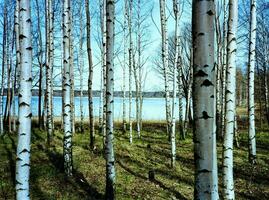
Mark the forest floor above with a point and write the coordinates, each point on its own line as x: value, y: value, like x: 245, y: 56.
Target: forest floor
x: 133, y: 163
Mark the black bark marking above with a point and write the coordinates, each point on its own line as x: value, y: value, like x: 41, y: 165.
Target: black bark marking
x: 210, y: 12
x: 204, y: 171
x: 206, y: 83
x: 24, y: 151
x: 29, y: 116
x: 201, y: 73
x: 205, y: 115
x: 23, y: 104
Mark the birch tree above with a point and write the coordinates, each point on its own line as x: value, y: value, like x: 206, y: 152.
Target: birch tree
x: 228, y: 183
x: 251, y: 69
x: 165, y: 62
x: 25, y: 114
x: 40, y: 63
x: 89, y: 51
x: 3, y: 68
x: 130, y: 6
x: 49, y: 65
x: 81, y: 67
x: 205, y: 155
x: 125, y: 41
x: 109, y: 150
x: 176, y: 64
x: 67, y: 148
x: 224, y: 68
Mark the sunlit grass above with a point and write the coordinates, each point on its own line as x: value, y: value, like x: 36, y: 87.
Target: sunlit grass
x: 134, y: 161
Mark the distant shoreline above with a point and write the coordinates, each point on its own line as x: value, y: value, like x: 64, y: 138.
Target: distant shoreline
x: 96, y: 93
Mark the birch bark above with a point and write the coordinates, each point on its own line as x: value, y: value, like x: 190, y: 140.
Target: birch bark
x: 109, y: 150
x: 251, y: 69
x: 204, y: 101
x: 25, y: 114
x: 228, y: 183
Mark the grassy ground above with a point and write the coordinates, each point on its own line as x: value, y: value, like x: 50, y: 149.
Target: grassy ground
x: 151, y: 152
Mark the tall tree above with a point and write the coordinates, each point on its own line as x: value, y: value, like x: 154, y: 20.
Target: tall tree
x: 224, y: 69
x: 40, y: 63
x: 125, y: 40
x: 67, y: 148
x: 165, y: 63
x: 205, y: 155
x: 109, y: 150
x: 49, y: 66
x: 176, y: 64
x: 25, y: 114
x: 228, y: 183
x: 89, y: 50
x: 81, y: 67
x: 130, y: 14
x: 3, y: 67
x: 251, y: 69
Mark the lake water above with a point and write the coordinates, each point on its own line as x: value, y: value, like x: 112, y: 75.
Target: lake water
x: 153, y: 108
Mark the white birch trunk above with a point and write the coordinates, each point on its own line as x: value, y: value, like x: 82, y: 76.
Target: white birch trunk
x: 125, y: 39
x: 81, y: 66
x: 176, y: 64
x: 104, y: 33
x: 67, y: 148
x: 109, y: 150
x: 49, y: 63
x: 228, y: 183
x: 25, y: 114
x: 165, y: 63
x: 224, y: 69
x: 130, y: 70
x: 251, y: 69
x: 90, y: 97
x: 204, y: 101
x: 3, y: 69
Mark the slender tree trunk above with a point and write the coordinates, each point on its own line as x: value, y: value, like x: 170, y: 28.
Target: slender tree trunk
x: 236, y: 133
x: 25, y: 114
x: 188, y: 98
x: 3, y: 69
x: 18, y: 63
x: 81, y: 67
x: 73, y: 116
x: 40, y: 62
x: 204, y: 101
x: 224, y: 69
x: 14, y: 83
x: 251, y: 69
x: 89, y: 50
x: 228, y: 183
x: 101, y: 101
x: 218, y: 71
x: 165, y: 63
x: 176, y: 64
x: 125, y: 39
x: 265, y: 82
x: 130, y: 69
x: 104, y: 33
x: 109, y: 151
x: 9, y: 69
x: 49, y: 65
x: 67, y: 148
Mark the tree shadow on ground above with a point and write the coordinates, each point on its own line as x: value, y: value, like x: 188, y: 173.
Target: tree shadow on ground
x: 77, y: 181
x: 140, y: 165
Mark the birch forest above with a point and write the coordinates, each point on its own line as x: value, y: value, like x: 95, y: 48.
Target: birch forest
x: 134, y: 99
